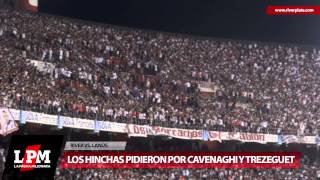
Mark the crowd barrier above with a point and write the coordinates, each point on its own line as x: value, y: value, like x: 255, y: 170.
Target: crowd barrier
x: 134, y: 130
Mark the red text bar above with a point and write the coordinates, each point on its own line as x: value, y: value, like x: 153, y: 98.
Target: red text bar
x: 179, y: 160
x: 293, y: 10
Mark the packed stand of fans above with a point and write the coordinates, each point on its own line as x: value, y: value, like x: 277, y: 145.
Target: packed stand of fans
x: 132, y: 76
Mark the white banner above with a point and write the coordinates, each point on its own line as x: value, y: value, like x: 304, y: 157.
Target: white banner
x: 144, y: 130
x: 138, y: 130
x: 191, y: 134
x: 112, y: 126
x: 207, y: 87
x: 308, y: 140
x: 7, y: 123
x: 43, y: 66
x: 39, y: 118
x: 249, y: 137
x: 288, y: 139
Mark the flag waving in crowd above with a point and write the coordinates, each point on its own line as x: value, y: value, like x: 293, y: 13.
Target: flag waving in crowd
x: 7, y: 123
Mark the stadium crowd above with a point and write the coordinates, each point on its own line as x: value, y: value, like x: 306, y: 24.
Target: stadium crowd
x: 80, y: 69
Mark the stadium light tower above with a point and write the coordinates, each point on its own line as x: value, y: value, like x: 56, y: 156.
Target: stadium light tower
x: 28, y: 5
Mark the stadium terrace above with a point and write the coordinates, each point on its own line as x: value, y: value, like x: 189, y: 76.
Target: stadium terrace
x: 133, y: 76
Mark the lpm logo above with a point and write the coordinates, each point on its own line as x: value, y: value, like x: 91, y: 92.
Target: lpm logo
x: 33, y: 157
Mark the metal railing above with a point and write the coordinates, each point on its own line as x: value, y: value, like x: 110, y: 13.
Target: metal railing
x: 47, y: 109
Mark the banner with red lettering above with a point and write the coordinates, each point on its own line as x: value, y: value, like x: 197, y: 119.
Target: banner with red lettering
x: 190, y: 134
x: 138, y: 130
x: 248, y: 137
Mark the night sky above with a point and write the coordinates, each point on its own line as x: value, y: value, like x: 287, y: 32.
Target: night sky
x: 232, y: 19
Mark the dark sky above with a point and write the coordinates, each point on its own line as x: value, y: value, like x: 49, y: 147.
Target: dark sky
x: 233, y: 19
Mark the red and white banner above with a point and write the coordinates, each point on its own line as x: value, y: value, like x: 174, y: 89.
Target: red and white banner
x: 248, y: 137
x: 138, y: 130
x: 191, y: 134
x: 145, y: 130
x: 180, y: 160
